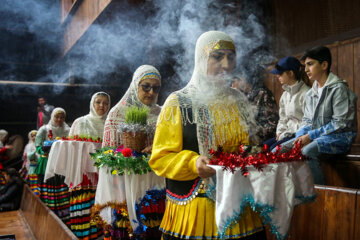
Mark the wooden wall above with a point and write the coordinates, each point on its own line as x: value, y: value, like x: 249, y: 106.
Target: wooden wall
x: 77, y: 18
x: 346, y: 64
x: 334, y: 215
x: 300, y: 24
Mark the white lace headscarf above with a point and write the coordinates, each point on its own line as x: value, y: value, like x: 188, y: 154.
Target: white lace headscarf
x: 92, y: 124
x: 130, y: 98
x: 57, y: 131
x: 30, y: 147
x: 202, y: 94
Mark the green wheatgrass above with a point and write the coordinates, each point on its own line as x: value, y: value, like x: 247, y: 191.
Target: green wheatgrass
x: 136, y: 115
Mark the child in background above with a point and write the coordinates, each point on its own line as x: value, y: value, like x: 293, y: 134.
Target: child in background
x: 329, y: 124
x: 292, y: 101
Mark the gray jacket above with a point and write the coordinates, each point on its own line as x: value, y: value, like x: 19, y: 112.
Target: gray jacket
x: 330, y: 118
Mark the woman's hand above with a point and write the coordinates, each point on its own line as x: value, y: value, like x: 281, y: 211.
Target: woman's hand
x: 147, y: 149
x: 203, y: 170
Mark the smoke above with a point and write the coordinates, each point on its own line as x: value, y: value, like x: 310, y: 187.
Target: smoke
x: 158, y: 32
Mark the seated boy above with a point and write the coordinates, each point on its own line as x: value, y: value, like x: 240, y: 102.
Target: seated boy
x: 329, y: 124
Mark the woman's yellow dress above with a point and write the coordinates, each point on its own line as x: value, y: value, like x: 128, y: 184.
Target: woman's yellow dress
x: 195, y: 217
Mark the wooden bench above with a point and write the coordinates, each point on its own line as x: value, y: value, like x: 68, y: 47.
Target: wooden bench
x: 34, y: 220
x: 342, y: 170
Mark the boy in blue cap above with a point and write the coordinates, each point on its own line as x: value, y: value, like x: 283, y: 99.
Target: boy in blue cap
x: 329, y: 124
x: 292, y: 102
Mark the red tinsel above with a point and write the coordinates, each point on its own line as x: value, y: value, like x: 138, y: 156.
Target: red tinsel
x: 242, y: 160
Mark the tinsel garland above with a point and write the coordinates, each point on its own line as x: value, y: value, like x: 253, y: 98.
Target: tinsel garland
x: 246, y: 157
x: 121, y: 160
x: 152, y: 202
x: 120, y: 210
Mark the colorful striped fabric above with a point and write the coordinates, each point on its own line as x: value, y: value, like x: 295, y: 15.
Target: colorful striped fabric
x: 82, y: 198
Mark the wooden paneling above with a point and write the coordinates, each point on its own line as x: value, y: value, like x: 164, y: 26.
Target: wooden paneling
x: 81, y: 20
x: 357, y: 81
x: 346, y: 63
x: 341, y: 172
x: 334, y: 215
x: 334, y: 54
x: 307, y: 218
x: 42, y: 221
x: 339, y: 214
x: 322, y: 21
x: 66, y: 6
x: 357, y: 217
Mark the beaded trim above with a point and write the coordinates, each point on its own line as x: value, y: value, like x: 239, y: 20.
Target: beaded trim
x: 186, y: 199
x: 219, y: 45
x: 150, y: 75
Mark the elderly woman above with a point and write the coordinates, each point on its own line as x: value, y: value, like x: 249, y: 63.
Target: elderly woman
x: 114, y: 190
x: 54, y: 193
x: 82, y: 197
x: 207, y: 113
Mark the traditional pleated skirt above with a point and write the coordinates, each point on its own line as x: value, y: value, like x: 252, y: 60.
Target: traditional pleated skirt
x: 55, y: 194
x: 196, y: 220
x: 82, y: 198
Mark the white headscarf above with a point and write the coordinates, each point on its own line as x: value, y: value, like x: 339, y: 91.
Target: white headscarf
x: 92, y: 124
x: 3, y: 133
x: 58, y: 131
x: 29, y: 148
x: 201, y: 94
x: 130, y: 98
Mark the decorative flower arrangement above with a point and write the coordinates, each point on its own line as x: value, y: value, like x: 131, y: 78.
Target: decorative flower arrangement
x: 121, y: 160
x: 84, y: 138
x: 259, y: 159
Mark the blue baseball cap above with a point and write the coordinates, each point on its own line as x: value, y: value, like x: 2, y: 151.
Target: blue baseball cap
x: 286, y: 64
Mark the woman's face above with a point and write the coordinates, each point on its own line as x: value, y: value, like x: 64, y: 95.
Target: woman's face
x: 148, y: 90
x: 101, y: 105
x: 221, y: 62
x: 59, y: 119
x: 33, y: 136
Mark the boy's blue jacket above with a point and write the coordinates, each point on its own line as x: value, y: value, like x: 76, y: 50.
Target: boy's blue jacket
x: 330, y: 119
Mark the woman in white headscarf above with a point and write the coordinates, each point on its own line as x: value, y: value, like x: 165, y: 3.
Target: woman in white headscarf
x: 111, y: 189
x: 54, y: 192
x: 82, y: 197
x: 29, y: 156
x: 202, y: 116
x: 92, y: 124
x: 143, y: 91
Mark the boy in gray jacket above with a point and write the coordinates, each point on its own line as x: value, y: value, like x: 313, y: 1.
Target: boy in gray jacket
x: 329, y: 124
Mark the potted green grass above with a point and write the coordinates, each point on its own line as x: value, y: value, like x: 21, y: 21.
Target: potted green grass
x: 134, y: 131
